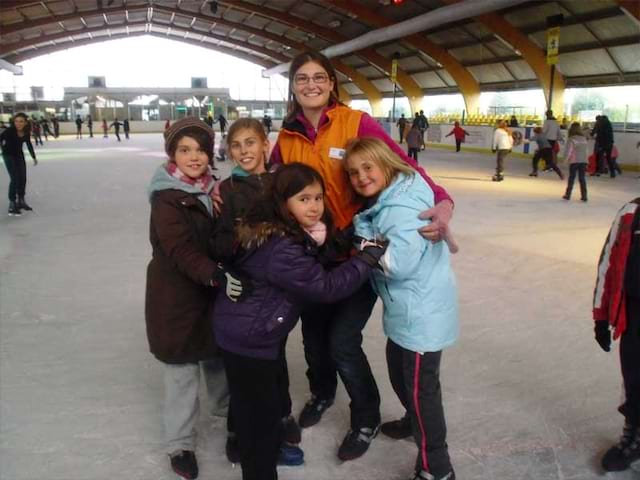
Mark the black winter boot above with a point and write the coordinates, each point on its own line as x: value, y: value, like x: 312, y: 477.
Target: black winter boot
x: 185, y: 464
x: 14, y: 211
x: 422, y: 475
x: 627, y: 451
x: 22, y: 205
x: 356, y: 443
x: 397, y: 429
x: 313, y: 410
x: 291, y: 430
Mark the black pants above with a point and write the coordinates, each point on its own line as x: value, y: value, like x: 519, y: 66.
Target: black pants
x: 416, y: 380
x: 17, y: 169
x: 401, y: 133
x: 38, y: 139
x: 255, y: 406
x: 117, y: 132
x: 332, y: 336
x: 545, y: 154
x: 458, y: 143
x: 283, y: 389
x: 126, y: 134
x: 604, y: 153
x: 580, y: 169
x: 78, y: 132
x: 90, y: 127
x: 630, y: 362
x: 413, y: 153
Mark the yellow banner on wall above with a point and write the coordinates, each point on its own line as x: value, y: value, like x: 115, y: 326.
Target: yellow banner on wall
x: 553, y: 45
x: 394, y: 70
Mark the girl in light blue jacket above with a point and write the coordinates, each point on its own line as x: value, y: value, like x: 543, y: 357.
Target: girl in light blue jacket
x: 418, y: 288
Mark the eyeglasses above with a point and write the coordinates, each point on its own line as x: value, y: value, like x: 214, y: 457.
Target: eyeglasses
x: 317, y: 78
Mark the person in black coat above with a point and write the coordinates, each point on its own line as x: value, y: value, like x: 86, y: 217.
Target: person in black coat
x: 603, y: 132
x: 11, y: 140
x: 89, y: 126
x: 223, y: 123
x: 116, y: 127
x: 79, y: 123
x: 56, y: 127
x: 126, y: 128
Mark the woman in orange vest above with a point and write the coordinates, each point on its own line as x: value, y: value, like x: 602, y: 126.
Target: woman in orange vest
x: 315, y: 132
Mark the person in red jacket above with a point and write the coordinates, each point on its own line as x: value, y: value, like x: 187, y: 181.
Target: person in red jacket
x: 458, y: 133
x: 616, y: 307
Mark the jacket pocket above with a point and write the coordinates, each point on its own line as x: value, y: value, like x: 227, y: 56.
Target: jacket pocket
x: 278, y: 318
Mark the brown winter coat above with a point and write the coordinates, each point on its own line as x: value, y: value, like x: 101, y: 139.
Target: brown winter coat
x: 178, y: 297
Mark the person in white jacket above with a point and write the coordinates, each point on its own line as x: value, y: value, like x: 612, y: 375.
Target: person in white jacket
x: 502, y: 144
x: 551, y: 130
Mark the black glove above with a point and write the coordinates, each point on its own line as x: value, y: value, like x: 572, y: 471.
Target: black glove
x: 236, y: 286
x: 603, y: 335
x: 372, y: 251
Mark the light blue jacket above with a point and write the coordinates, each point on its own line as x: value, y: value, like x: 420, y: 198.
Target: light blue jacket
x: 418, y: 287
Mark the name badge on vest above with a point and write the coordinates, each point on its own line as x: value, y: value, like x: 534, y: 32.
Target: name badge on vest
x: 337, y: 153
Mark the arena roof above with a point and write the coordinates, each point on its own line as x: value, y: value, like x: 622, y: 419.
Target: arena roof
x: 500, y: 50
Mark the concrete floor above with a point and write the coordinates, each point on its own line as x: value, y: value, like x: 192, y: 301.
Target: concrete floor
x: 528, y: 394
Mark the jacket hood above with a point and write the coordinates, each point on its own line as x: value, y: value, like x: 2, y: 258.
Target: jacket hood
x: 161, y: 180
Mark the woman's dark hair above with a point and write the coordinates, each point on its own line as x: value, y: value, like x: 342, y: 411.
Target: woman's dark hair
x: 293, y: 107
x: 27, y: 126
x: 288, y: 180
x: 204, y: 141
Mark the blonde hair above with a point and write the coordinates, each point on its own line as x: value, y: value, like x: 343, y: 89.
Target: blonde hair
x: 378, y: 152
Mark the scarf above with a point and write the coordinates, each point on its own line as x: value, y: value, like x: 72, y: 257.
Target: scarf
x: 203, y: 182
x: 318, y: 232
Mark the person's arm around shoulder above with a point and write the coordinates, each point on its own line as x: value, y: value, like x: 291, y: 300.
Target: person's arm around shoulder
x: 300, y: 274
x: 400, y: 226
x: 177, y: 240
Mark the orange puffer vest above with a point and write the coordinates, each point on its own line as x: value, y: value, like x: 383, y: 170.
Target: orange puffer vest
x: 325, y: 156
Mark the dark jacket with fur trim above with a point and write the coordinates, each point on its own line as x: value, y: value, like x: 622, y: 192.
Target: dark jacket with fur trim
x: 285, y: 275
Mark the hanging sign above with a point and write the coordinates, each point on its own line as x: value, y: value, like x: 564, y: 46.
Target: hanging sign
x: 553, y: 45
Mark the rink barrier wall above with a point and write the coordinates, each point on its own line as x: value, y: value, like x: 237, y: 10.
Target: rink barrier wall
x: 481, y: 137
x: 479, y: 140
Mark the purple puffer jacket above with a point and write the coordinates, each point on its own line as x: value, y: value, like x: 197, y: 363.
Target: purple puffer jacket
x: 284, y: 275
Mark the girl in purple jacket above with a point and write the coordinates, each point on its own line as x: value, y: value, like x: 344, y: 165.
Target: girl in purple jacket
x: 280, y: 257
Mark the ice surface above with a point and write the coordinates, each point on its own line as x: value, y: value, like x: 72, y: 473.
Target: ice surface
x: 528, y: 394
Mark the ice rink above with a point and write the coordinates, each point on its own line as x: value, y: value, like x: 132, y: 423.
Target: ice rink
x: 528, y: 394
